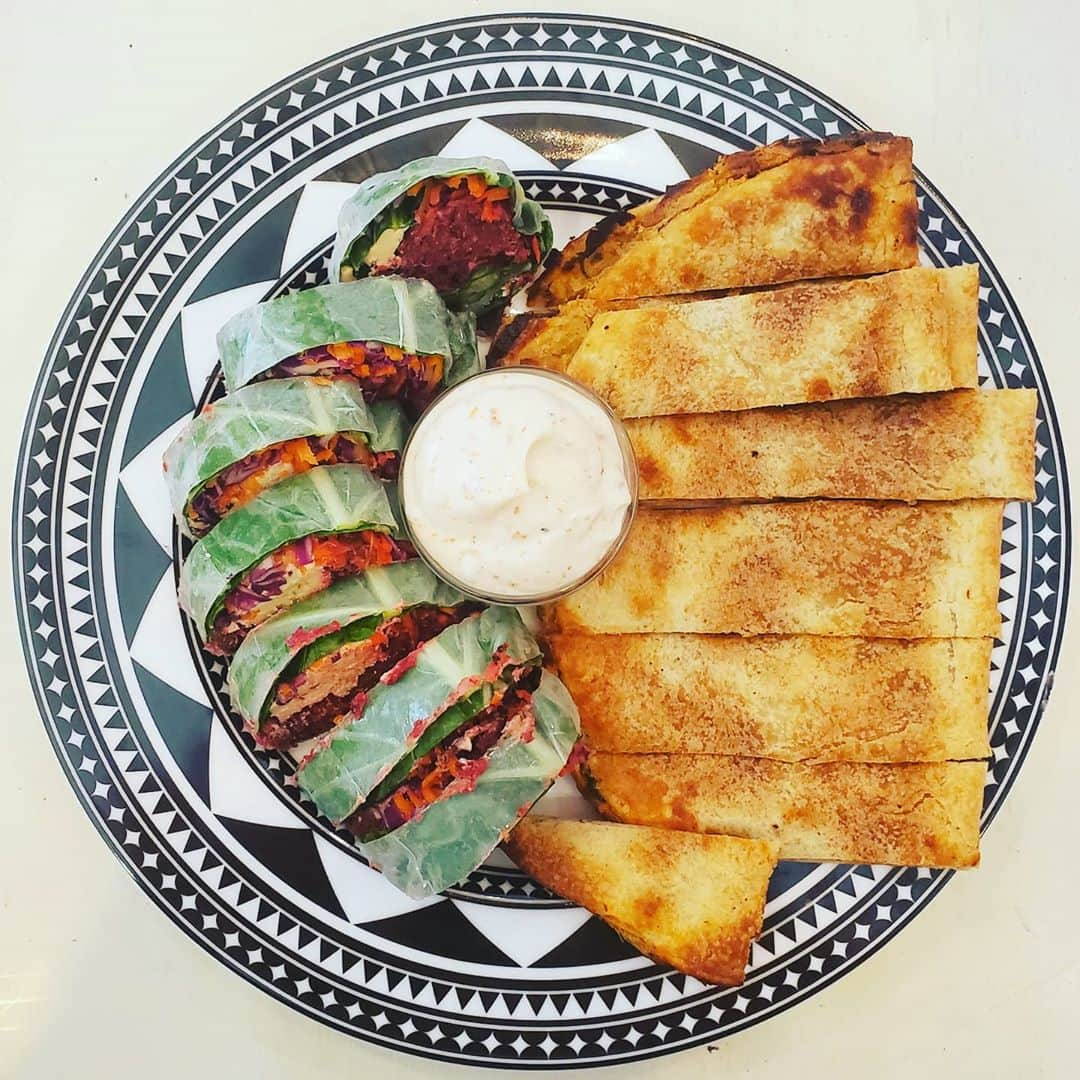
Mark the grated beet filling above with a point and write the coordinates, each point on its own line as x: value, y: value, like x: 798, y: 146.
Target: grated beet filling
x: 450, y: 240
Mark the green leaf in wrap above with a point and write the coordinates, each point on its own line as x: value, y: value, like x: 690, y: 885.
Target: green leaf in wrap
x: 255, y: 417
x: 403, y: 312
x: 329, y: 499
x: 391, y: 427
x: 341, y: 774
x: 265, y: 653
x: 454, y: 835
x: 370, y: 210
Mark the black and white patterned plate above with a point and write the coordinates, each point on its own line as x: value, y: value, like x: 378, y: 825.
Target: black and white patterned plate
x: 594, y: 114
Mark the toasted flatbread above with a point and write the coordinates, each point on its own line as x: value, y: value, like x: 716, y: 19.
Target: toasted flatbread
x: 797, y: 209
x: 962, y: 444
x: 548, y: 339
x: 816, y: 567
x: 909, y: 332
x: 692, y: 901
x: 791, y: 698
x: 904, y: 815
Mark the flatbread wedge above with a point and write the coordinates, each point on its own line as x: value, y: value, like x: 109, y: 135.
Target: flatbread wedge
x: 549, y: 339
x: 816, y: 567
x: 913, y: 331
x: 791, y: 698
x: 901, y: 815
x: 801, y: 208
x: 694, y: 902
x: 962, y: 444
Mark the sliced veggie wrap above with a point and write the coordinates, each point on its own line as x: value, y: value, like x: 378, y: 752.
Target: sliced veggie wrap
x: 269, y: 651
x: 465, y: 224
x: 454, y: 835
x: 458, y: 664
x: 264, y: 433
x: 274, y: 339
x: 391, y: 427
x: 329, y: 500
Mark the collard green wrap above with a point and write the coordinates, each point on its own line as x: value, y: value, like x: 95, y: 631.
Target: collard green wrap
x: 258, y: 416
x: 378, y: 192
x: 391, y: 427
x: 265, y: 652
x: 343, y: 772
x: 456, y: 834
x: 403, y: 312
x: 329, y: 499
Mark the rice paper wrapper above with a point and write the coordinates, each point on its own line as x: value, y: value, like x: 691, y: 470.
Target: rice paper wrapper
x: 266, y: 651
x: 329, y: 499
x: 404, y: 312
x: 391, y: 426
x: 379, y: 191
x: 455, y: 835
x: 258, y: 416
x: 343, y: 772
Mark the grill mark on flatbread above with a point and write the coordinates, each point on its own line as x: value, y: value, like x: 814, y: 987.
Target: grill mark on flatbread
x: 850, y: 201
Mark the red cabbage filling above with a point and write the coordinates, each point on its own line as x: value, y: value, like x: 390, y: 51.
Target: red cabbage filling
x: 294, y: 572
x: 245, y: 479
x: 383, y: 371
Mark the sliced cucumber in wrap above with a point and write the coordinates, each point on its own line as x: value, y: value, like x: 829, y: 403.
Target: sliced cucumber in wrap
x: 329, y: 500
x: 463, y: 662
x: 241, y: 428
x: 454, y: 835
x: 404, y: 313
x: 505, y: 253
x: 300, y: 636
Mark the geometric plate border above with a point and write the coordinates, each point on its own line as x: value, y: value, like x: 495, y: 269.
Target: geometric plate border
x: 563, y: 65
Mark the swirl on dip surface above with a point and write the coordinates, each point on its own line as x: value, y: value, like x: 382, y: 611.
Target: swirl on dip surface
x: 518, y: 485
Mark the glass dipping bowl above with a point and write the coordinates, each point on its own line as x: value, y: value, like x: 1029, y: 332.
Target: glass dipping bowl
x: 629, y: 463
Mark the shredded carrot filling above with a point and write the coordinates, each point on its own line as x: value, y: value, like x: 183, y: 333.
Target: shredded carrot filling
x: 296, y: 456
x: 387, y: 363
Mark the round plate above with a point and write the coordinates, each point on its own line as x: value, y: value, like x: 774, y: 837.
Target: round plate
x: 594, y: 115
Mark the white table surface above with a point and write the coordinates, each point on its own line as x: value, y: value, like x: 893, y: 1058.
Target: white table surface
x: 97, y: 98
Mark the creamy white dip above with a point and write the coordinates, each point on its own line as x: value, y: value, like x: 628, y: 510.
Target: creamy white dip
x: 516, y: 484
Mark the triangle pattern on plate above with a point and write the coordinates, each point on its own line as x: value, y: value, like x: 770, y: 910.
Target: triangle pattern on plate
x: 184, y: 725
x: 200, y: 321
x: 315, y: 220
x: 140, y: 564
x: 255, y: 256
x: 165, y: 395
x: 160, y: 646
x: 290, y: 854
x: 643, y: 159
x: 237, y: 790
x: 443, y: 931
x: 478, y: 137
x: 141, y: 479
x: 393, y: 153
x: 524, y: 940
x: 364, y: 894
